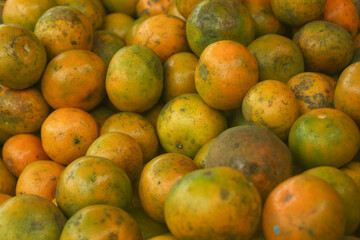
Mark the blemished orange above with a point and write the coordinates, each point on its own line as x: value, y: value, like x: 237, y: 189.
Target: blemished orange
x: 164, y: 34
x: 201, y: 156
x: 7, y: 180
x: 20, y: 150
x: 118, y: 23
x: 132, y: 30
x: 39, y: 178
x: 224, y: 74
x: 67, y: 133
x: 158, y: 177
x: 106, y: 44
x: 313, y: 207
x: 56, y: 21
x: 152, y: 7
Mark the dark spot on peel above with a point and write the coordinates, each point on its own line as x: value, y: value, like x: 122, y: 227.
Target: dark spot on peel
x: 76, y: 141
x: 224, y: 194
x: 203, y: 72
x: 36, y: 226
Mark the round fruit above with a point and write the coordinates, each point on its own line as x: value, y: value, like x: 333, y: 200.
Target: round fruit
x: 132, y: 30
x: 100, y: 114
x: 201, y: 156
x: 106, y: 44
x: 173, y: 11
x: 230, y: 205
x: 7, y: 180
x: 118, y: 23
x: 152, y: 7
x: 185, y: 7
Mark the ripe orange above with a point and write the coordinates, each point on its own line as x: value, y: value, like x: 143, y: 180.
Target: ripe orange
x: 152, y: 7
x: 132, y: 30
x: 185, y: 7
x: 118, y: 23
x: 201, y: 156
x: 174, y: 11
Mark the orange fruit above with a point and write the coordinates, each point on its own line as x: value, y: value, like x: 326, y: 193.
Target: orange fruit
x: 134, y: 79
x: 30, y: 217
x: 312, y: 91
x: 132, y: 30
x: 92, y: 180
x: 179, y: 71
x: 153, y: 114
x: 271, y: 105
x: 152, y: 7
x: 20, y: 150
x: 39, y: 178
x: 174, y: 11
x: 101, y: 222
x: 118, y: 23
x: 343, y: 13
x: 347, y: 98
x: 137, y: 127
x: 303, y: 207
x: 165, y: 236
x: 100, y: 114
x: 297, y: 12
x: 332, y: 80
x: 225, y: 72
x: 186, y: 123
x: 326, y: 47
x: 106, y: 44
x: 22, y: 56
x: 121, y: 149
x: 313, y: 142
x: 64, y: 28
x: 22, y: 111
x: 24, y: 12
x: 185, y: 7
x: 348, y: 191
x: 352, y: 169
x: 164, y: 34
x: 7, y: 180
x: 4, y: 197
x: 67, y: 133
x: 216, y: 20
x: 230, y: 205
x: 201, y: 156
x: 158, y: 177
x: 278, y: 57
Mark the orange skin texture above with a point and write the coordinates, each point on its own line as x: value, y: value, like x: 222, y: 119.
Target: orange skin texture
x: 348, y: 191
x: 75, y: 78
x: 118, y: 23
x: 153, y: 114
x: 347, y: 92
x: 152, y: 7
x: 164, y: 34
x: 265, y: 21
x: 22, y: 111
x: 20, y: 150
x: 158, y: 177
x: 121, y: 149
x: 179, y: 71
x: 186, y: 123
x: 101, y: 222
x: 56, y: 21
x: 39, y: 178
x: 174, y: 11
x: 225, y: 72
x: 123, y: 6
x: 166, y: 236
x: 312, y: 91
x: 200, y: 157
x: 352, y: 169
x: 100, y: 114
x: 22, y: 56
x: 216, y: 203
x: 272, y: 105
x: 137, y: 127
x: 343, y: 13
x: 67, y: 133
x: 313, y: 143
x: 4, y: 197
x: 90, y: 181
x: 186, y: 6
x: 106, y: 44
x: 25, y: 13
x: 132, y: 30
x: 7, y: 180
x: 312, y: 206
x: 331, y: 80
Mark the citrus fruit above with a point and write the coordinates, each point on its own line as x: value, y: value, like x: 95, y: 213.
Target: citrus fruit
x: 118, y: 23
x: 201, y: 156
x: 106, y: 44
x: 129, y: 36
x: 152, y: 7
x: 7, y: 180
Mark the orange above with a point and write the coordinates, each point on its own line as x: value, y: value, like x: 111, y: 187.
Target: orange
x: 132, y: 30
x: 216, y: 203
x: 201, y: 156
x: 64, y: 28
x: 352, y: 169
x: 121, y: 149
x: 39, y: 178
x: 118, y: 23
x: 22, y: 56
x: 25, y: 12
x: 20, y: 150
x: 216, y: 20
x: 134, y: 79
x: 313, y: 143
x: 348, y: 191
x: 158, y: 177
x: 67, y: 133
x: 303, y: 207
x: 271, y: 105
x: 7, y: 180
x: 312, y: 91
x: 278, y: 57
x: 101, y: 222
x: 22, y: 111
x: 347, y: 98
x: 153, y: 114
x: 185, y: 7
x: 152, y: 7
x: 225, y: 72
x: 74, y: 78
x: 164, y: 34
x: 326, y: 47
x: 100, y: 114
x: 92, y: 180
x: 297, y: 12
x: 332, y: 80
x: 179, y: 71
x: 4, y: 197
x: 106, y: 44
x: 174, y: 11
x: 166, y: 236
x: 122, y: 6
x: 30, y: 217
x: 186, y: 123
x: 137, y: 127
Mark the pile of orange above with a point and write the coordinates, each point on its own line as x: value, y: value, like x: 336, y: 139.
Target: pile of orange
x: 180, y: 119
